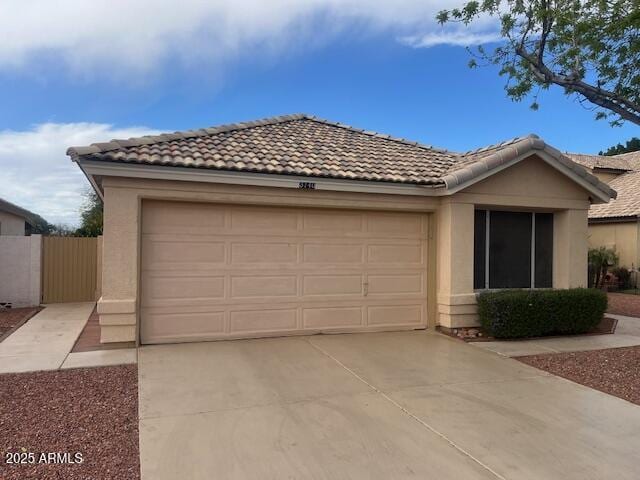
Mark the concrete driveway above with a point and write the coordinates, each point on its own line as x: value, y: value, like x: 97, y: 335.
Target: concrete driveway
x: 372, y: 406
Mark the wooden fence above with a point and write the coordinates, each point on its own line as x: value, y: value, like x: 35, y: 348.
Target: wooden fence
x: 70, y: 269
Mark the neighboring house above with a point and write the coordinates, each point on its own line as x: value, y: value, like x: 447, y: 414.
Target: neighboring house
x: 15, y: 220
x: 616, y: 224
x: 296, y: 225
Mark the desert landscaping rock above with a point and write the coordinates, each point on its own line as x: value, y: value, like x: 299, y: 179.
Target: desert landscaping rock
x: 624, y: 304
x: 615, y: 371
x: 92, y: 411
x: 14, y: 317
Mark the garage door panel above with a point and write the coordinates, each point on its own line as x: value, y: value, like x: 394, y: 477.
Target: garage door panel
x: 395, y: 315
x: 396, y: 224
x: 332, y: 285
x: 184, y: 288
x: 275, y: 271
x: 404, y: 284
x: 344, y: 223
x: 329, y: 254
x: 173, y: 326
x: 265, y: 219
x: 161, y: 253
x: 264, y: 253
x: 182, y: 217
x: 258, y: 321
x: 328, y: 317
x: 264, y: 286
x: 396, y: 253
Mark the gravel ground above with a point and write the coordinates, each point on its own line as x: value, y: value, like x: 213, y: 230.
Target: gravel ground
x: 615, y: 371
x: 93, y: 411
x: 624, y: 304
x: 14, y: 316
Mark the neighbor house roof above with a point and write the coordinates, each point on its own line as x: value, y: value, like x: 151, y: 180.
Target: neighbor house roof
x: 628, y: 202
x: 627, y: 184
x: 6, y: 206
x: 624, y: 162
x: 308, y: 146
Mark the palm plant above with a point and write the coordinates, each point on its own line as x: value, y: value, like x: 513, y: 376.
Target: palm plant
x: 600, y: 259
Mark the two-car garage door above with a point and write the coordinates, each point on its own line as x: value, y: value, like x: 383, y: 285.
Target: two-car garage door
x: 213, y: 271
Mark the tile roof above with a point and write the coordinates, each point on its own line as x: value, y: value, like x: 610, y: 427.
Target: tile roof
x: 628, y: 202
x: 625, y: 161
x: 627, y: 184
x: 632, y: 159
x: 292, y: 144
x: 476, y: 162
x: 308, y: 146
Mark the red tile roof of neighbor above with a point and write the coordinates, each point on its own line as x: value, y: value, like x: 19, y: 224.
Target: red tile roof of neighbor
x: 308, y: 146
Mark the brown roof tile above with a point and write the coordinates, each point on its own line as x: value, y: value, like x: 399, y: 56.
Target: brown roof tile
x: 622, y: 162
x: 628, y: 202
x: 308, y: 146
x: 293, y: 144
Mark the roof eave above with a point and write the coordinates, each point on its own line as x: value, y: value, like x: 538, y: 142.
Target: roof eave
x: 96, y: 169
x: 614, y: 219
x: 512, y: 154
x: 18, y: 211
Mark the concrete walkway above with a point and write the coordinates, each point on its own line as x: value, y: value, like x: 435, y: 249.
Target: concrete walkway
x: 627, y: 335
x: 402, y: 405
x: 44, y: 342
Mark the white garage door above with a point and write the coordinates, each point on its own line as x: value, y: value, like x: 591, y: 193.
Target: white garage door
x: 212, y: 271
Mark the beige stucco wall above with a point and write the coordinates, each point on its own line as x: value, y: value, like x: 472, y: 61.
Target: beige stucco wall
x: 11, y: 224
x: 20, y: 266
x: 531, y: 184
x: 621, y: 236
x: 118, y: 306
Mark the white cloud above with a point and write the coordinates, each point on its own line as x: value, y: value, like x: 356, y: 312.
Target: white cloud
x: 461, y: 38
x: 37, y: 174
x: 129, y: 38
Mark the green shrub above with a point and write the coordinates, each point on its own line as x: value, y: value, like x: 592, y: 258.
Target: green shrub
x: 535, y: 313
x: 623, y: 275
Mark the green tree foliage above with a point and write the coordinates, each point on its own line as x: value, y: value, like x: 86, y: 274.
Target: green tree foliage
x: 600, y: 259
x: 589, y: 48
x: 60, y: 230
x: 91, y: 216
x: 41, y: 226
x: 632, y: 145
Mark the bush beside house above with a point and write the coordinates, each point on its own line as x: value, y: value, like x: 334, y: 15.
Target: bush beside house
x: 535, y: 313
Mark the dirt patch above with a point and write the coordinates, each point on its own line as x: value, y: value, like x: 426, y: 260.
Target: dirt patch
x: 624, y: 304
x: 615, y: 371
x: 12, y: 318
x: 91, y: 411
x: 89, y: 339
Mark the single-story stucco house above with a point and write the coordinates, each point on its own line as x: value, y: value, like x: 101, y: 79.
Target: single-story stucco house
x: 15, y: 220
x: 616, y: 224
x: 297, y: 225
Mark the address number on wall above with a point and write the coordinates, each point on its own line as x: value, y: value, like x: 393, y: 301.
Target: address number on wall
x: 307, y: 185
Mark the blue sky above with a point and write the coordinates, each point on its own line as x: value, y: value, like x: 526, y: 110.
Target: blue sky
x: 355, y: 69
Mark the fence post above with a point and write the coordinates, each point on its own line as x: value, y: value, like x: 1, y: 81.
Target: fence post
x: 99, y: 268
x: 35, y: 277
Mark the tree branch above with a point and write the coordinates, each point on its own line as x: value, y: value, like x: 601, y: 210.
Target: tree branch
x: 623, y: 107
